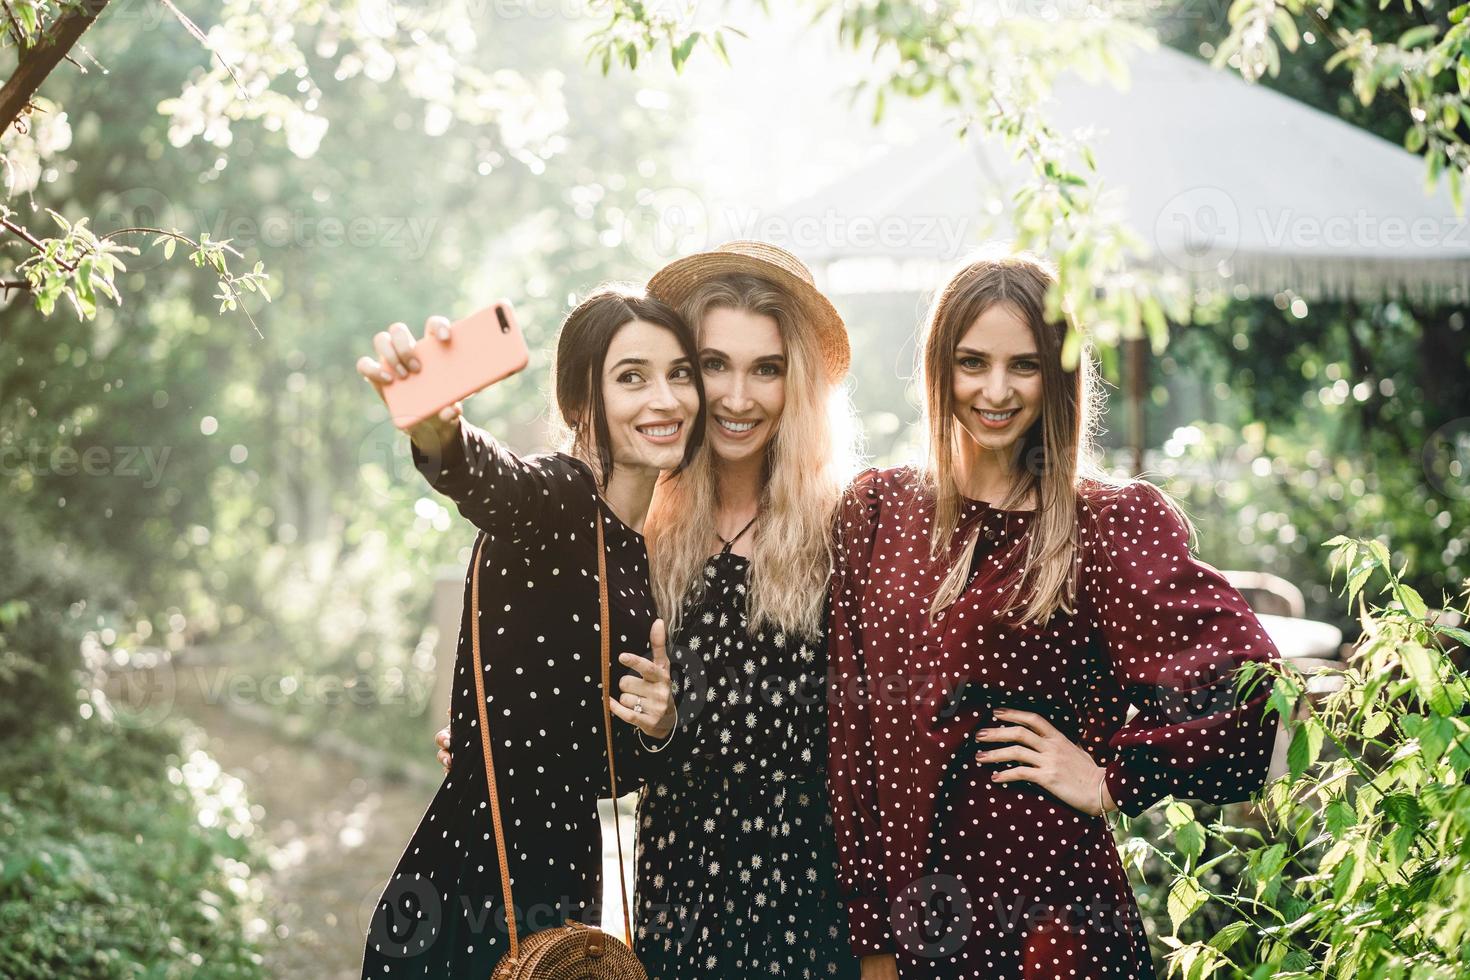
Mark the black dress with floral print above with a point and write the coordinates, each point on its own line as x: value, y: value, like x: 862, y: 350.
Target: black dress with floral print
x: 736, y: 852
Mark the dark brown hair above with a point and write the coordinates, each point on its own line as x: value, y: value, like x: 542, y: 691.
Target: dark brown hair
x: 581, y: 351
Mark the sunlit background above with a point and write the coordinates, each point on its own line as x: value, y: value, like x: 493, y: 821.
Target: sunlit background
x: 213, y: 540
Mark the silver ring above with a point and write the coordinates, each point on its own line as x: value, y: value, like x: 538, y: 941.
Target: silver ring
x: 638, y: 709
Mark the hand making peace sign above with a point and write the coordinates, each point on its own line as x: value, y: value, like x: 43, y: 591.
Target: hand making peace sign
x: 647, y: 701
x: 653, y: 689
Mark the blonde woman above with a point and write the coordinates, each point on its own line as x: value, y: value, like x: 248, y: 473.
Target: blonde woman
x: 996, y: 612
x: 735, y: 855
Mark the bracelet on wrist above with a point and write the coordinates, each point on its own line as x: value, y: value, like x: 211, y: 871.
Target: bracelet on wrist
x: 672, y: 732
x: 1102, y: 804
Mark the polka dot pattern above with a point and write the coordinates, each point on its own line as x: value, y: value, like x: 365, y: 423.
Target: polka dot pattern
x: 736, y: 854
x: 962, y: 877
x: 441, y: 913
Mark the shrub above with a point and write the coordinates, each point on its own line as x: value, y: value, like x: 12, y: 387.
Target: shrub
x: 123, y: 857
x: 1361, y: 864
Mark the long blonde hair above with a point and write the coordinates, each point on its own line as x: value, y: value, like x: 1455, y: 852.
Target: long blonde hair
x: 1056, y: 453
x: 808, y: 460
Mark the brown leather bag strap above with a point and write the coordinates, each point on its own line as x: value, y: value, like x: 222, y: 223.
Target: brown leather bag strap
x: 607, y: 695
x: 510, y: 918
x: 605, y: 628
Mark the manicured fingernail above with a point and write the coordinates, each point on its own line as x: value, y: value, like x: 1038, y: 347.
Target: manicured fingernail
x: 387, y: 376
x: 402, y: 371
x: 413, y: 365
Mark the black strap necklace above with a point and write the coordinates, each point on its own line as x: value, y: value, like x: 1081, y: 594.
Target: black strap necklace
x: 732, y: 541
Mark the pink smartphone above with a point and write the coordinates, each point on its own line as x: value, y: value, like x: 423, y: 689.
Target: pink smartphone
x: 483, y: 348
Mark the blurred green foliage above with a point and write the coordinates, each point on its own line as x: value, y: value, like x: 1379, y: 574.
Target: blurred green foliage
x: 107, y: 869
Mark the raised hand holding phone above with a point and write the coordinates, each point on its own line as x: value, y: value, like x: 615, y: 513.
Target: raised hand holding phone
x: 396, y: 359
x: 423, y: 381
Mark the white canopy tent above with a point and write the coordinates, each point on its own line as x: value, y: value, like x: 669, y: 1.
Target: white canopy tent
x: 1233, y: 185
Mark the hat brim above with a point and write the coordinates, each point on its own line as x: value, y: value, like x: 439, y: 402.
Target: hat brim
x: 677, y: 281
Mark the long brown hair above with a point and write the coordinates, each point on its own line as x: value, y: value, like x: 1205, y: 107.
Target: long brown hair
x: 1055, y: 454
x: 581, y: 349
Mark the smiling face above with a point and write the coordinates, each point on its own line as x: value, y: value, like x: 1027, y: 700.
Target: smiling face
x: 744, y: 366
x: 649, y: 396
x: 997, y: 379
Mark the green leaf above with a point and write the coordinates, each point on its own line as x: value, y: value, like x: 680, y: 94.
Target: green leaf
x: 718, y: 42
x: 1416, y: 36
x: 1185, y: 898
x: 1374, y: 724
x: 1229, y: 935
x: 1190, y: 840
x: 1285, y: 28
x: 680, y: 53
x: 1454, y: 632
x: 1403, y: 810
x: 1178, y: 814
x: 1306, y: 745
x: 1357, y: 580
x: 1418, y: 664
x: 1413, y: 603
x: 1339, y: 817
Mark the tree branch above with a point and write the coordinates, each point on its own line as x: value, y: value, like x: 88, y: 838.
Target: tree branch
x: 30, y: 240
x: 39, y: 61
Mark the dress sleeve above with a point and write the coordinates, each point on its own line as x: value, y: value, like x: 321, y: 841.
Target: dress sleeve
x: 851, y: 779
x: 1176, y: 633
x: 493, y: 488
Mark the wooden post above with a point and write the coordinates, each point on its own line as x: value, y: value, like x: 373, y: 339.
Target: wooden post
x: 1137, y: 388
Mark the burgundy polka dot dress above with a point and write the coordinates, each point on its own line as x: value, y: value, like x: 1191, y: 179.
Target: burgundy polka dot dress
x: 962, y: 877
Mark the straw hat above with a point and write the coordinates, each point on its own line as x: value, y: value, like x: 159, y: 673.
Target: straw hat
x: 676, y: 282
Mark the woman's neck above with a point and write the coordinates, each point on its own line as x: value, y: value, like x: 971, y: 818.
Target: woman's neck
x: 739, y: 485
x: 988, y: 475
x: 629, y: 492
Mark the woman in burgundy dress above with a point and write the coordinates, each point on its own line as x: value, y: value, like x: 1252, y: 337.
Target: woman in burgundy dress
x: 995, y: 613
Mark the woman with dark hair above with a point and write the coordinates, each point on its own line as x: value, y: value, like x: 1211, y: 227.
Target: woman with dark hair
x: 630, y: 397
x: 735, y: 850
x: 995, y: 613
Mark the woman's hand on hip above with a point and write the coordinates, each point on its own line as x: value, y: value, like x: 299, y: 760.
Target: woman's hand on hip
x: 1047, y: 758
x: 647, y: 700
x: 441, y: 739
x: 879, y: 966
x: 395, y: 359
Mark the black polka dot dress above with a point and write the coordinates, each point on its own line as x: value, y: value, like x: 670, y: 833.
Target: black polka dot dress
x: 959, y: 876
x: 441, y: 913
x: 736, y: 857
